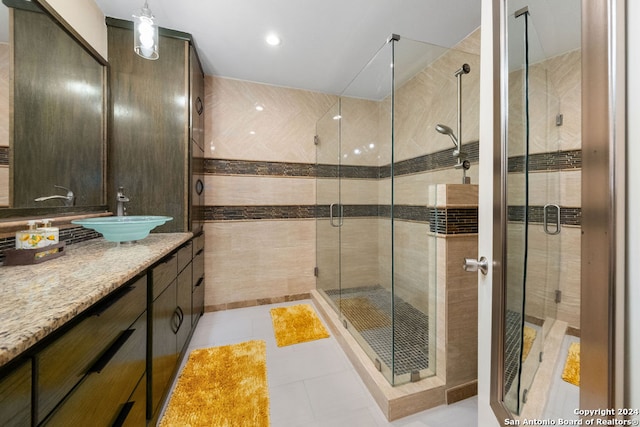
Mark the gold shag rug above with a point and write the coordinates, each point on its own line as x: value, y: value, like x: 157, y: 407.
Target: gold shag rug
x: 221, y: 386
x: 529, y: 336
x: 295, y: 324
x: 571, y: 372
x: 363, y: 315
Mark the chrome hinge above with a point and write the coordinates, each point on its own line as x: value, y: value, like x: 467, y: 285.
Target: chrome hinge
x: 316, y: 271
x: 316, y: 140
x: 558, y: 296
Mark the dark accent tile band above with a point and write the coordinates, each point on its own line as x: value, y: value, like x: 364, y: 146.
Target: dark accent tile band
x: 439, y: 160
x: 4, y: 156
x: 69, y: 235
x: 558, y: 160
x: 237, y: 213
x: 440, y: 220
x: 246, y: 167
x: 568, y: 216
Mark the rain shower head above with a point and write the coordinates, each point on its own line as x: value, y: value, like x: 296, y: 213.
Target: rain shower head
x: 462, y: 70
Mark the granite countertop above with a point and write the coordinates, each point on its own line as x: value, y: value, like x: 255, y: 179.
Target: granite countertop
x: 36, y: 300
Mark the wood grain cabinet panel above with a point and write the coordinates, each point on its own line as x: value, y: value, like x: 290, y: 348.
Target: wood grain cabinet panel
x: 99, y: 397
x: 154, y: 120
x: 163, y: 274
x: 67, y: 360
x: 15, y: 397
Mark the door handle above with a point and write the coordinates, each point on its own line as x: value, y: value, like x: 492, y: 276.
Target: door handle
x: 473, y: 265
x: 545, y: 211
x: 341, y: 218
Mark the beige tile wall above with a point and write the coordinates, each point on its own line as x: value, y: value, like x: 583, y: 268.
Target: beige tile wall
x: 283, y: 130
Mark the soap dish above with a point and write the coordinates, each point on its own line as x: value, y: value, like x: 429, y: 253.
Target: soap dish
x: 33, y: 256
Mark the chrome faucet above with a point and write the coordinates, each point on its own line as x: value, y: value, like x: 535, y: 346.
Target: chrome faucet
x: 69, y: 199
x: 121, y: 199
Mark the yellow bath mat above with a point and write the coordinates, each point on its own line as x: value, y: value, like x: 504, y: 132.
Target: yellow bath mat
x: 571, y: 373
x: 295, y: 324
x: 529, y: 336
x: 363, y: 315
x: 222, y: 386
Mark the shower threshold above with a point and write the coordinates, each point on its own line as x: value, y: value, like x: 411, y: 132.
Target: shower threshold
x: 394, y: 401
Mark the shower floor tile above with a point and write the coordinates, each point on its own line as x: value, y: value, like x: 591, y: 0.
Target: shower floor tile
x: 411, y: 326
x: 314, y: 384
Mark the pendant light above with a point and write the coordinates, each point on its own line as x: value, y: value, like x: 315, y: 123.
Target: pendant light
x: 145, y: 33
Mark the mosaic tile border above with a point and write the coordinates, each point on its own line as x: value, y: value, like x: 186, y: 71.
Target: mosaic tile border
x: 69, y: 235
x: 440, y: 220
x: 4, y: 156
x: 439, y: 160
x: 568, y: 216
x: 559, y: 160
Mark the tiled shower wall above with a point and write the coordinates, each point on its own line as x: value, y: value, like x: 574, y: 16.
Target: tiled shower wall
x: 261, y: 181
x: 250, y: 254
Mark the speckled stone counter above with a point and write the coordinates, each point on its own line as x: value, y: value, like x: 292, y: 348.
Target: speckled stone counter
x: 36, y: 300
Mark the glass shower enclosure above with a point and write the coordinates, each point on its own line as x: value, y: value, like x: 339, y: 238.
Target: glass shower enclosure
x: 379, y: 158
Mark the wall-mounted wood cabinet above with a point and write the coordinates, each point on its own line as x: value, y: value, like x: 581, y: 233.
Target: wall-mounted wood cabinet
x: 156, y: 128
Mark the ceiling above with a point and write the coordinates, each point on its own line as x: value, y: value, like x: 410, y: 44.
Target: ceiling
x: 325, y: 43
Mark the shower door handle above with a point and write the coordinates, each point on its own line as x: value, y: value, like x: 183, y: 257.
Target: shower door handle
x: 545, y: 219
x: 340, y: 219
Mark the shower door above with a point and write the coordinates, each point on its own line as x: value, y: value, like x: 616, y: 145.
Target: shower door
x: 543, y: 113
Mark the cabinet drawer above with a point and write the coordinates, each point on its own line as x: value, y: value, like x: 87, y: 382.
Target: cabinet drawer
x: 198, y: 269
x: 136, y: 414
x: 185, y: 254
x: 98, y: 399
x: 198, y: 244
x: 198, y: 301
x: 163, y: 274
x: 63, y: 363
x: 15, y: 397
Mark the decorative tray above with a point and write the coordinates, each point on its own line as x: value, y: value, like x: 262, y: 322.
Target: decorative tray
x: 33, y: 256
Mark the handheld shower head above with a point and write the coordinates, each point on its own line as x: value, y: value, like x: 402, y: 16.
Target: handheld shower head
x: 446, y: 130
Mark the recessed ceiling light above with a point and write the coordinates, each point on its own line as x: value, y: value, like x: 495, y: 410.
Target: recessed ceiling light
x: 273, y: 40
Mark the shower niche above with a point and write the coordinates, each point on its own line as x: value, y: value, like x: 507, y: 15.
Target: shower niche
x: 394, y: 223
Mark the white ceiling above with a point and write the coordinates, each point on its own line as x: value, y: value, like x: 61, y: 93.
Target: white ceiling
x: 324, y: 42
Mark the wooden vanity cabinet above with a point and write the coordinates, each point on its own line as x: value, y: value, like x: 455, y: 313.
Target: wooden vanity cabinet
x: 87, y: 375
x: 198, y: 279
x: 171, y: 320
x: 15, y: 396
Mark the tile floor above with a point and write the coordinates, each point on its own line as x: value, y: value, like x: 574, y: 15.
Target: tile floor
x: 314, y: 384
x: 564, y: 397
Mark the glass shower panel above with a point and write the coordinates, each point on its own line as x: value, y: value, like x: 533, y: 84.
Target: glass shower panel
x: 366, y: 246
x: 328, y: 218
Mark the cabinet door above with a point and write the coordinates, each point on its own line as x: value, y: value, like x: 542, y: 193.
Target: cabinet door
x: 164, y: 356
x: 15, y: 397
x: 184, y: 307
x: 159, y: 157
x: 197, y: 99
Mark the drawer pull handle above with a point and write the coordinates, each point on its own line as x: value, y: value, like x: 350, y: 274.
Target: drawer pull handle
x: 200, y: 251
x: 98, y: 311
x: 200, y: 280
x: 111, y: 351
x: 180, y: 316
x: 124, y: 413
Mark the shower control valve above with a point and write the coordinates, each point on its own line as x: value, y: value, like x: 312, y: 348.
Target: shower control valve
x: 473, y: 265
